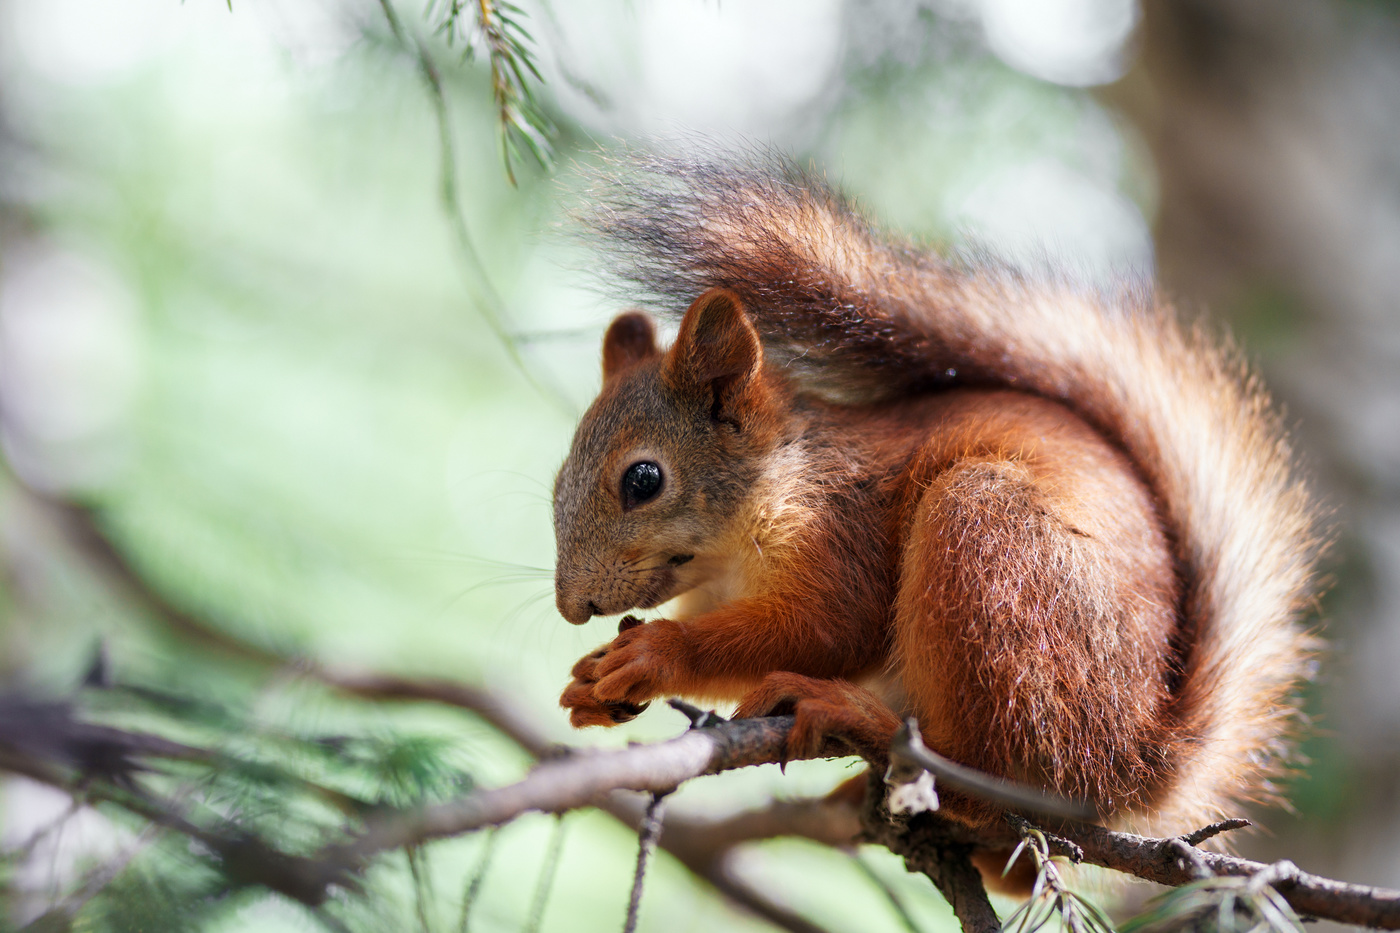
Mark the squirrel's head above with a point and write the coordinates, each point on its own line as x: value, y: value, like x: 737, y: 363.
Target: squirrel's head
x: 662, y: 462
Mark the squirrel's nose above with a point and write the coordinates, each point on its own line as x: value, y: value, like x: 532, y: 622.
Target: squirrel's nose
x: 577, y: 610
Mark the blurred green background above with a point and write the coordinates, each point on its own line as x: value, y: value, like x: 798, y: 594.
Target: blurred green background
x: 236, y: 326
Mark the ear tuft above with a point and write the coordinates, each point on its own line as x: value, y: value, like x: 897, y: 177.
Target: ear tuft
x: 630, y: 340
x: 716, y: 343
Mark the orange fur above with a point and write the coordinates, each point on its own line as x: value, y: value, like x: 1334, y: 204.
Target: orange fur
x: 1060, y: 532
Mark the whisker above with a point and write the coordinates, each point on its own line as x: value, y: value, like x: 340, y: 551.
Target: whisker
x: 529, y: 602
x: 535, y: 481
x: 527, y: 615
x: 456, y: 557
x: 507, y: 580
x: 457, y: 597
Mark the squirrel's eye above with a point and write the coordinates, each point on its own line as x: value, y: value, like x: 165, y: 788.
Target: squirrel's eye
x: 641, y: 482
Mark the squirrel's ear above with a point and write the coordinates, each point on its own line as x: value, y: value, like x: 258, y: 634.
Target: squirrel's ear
x: 716, y: 344
x: 629, y: 340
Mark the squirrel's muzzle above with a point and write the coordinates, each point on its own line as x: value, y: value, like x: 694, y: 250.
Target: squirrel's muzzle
x: 575, y: 608
x: 581, y: 595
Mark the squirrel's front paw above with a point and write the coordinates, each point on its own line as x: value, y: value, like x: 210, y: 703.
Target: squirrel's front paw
x: 614, y: 683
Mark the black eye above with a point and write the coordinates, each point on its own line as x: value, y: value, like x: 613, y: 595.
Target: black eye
x: 641, y: 482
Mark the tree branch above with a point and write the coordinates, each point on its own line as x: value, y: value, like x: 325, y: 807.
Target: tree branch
x: 701, y: 845
x: 909, y: 744
x: 938, y: 848
x: 1160, y: 860
x: 934, y: 846
x: 580, y: 779
x: 244, y: 859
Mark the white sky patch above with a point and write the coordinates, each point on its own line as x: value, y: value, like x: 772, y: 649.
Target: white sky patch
x: 1073, y: 42
x: 1043, y: 210
x: 78, y: 43
x: 69, y: 367
x: 74, y: 42
x: 716, y: 69
x: 86, y: 837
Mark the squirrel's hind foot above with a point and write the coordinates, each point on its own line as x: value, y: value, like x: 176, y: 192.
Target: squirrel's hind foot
x: 824, y: 709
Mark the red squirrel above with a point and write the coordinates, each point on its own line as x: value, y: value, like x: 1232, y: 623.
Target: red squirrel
x: 1059, y: 529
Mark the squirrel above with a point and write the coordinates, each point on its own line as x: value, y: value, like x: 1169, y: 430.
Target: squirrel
x: 1059, y: 529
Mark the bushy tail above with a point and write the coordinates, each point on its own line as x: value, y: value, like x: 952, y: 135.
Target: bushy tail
x: 856, y: 316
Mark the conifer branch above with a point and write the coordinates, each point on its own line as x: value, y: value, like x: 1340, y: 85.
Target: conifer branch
x: 487, y: 300
x: 498, y: 27
x: 929, y: 844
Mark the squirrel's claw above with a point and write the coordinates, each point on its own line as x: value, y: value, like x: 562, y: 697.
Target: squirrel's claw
x: 583, y: 715
x: 616, y: 682
x: 585, y: 709
x: 823, y: 709
x: 624, y: 711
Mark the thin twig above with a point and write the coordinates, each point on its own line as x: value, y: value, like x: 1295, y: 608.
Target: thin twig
x: 706, y: 847
x: 421, y: 889
x: 548, y: 870
x: 1060, y: 844
x: 1214, y: 829
x: 647, y: 838
x: 908, y: 744
x: 479, y: 876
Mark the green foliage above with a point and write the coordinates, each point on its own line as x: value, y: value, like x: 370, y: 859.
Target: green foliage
x: 164, y: 889
x: 1226, y: 905
x: 1050, y: 899
x: 239, y: 805
x: 1047, y: 905
x: 496, y: 25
